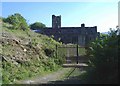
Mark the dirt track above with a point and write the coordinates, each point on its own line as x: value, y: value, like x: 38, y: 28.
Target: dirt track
x: 56, y: 78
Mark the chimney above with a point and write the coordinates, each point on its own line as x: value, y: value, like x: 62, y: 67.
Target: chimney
x: 83, y: 25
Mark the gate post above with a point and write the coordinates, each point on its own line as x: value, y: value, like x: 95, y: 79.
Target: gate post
x: 56, y: 51
x: 77, y: 53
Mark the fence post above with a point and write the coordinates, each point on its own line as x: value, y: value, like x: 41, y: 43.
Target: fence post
x: 77, y: 53
x: 56, y: 51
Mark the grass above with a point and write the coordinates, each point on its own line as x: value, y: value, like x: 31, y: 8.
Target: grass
x: 12, y: 73
x: 33, y: 67
x: 40, y: 74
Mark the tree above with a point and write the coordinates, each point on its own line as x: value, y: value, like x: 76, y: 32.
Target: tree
x: 37, y: 25
x: 17, y: 21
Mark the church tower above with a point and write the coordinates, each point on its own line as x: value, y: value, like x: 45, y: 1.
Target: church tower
x: 56, y: 22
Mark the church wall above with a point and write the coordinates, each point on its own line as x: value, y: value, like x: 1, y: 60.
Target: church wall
x: 81, y: 35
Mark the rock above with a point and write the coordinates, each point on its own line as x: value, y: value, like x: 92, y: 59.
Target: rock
x: 25, y: 50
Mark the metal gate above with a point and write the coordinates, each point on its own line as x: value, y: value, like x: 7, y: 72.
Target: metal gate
x: 71, y: 54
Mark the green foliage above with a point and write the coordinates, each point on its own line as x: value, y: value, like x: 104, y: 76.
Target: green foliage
x: 103, y: 59
x: 2, y: 18
x: 12, y: 73
x: 17, y: 21
x: 102, y: 36
x: 40, y: 52
x: 37, y: 25
x: 49, y: 52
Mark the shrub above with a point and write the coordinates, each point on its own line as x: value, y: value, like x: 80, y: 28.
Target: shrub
x: 103, y: 59
x: 49, y: 52
x: 17, y: 21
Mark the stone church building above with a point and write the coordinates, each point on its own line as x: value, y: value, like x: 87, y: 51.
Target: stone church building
x: 76, y: 35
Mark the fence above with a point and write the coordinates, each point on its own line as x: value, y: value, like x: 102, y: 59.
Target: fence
x: 71, y: 53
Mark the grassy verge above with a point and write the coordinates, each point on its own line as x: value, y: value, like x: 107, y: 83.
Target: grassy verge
x: 42, y: 74
x: 12, y: 73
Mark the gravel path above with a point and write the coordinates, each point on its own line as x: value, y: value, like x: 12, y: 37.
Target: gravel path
x: 55, y: 76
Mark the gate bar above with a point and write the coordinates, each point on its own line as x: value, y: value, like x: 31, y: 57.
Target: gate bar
x: 77, y: 53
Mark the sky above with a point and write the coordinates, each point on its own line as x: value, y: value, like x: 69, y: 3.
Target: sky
x: 104, y: 15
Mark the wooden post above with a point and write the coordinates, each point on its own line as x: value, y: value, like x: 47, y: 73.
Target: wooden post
x: 77, y: 53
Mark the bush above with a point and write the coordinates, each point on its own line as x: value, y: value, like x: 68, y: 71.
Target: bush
x: 17, y: 21
x: 103, y: 59
x: 49, y: 52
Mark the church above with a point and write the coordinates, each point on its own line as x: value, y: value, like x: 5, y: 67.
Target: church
x: 75, y: 35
